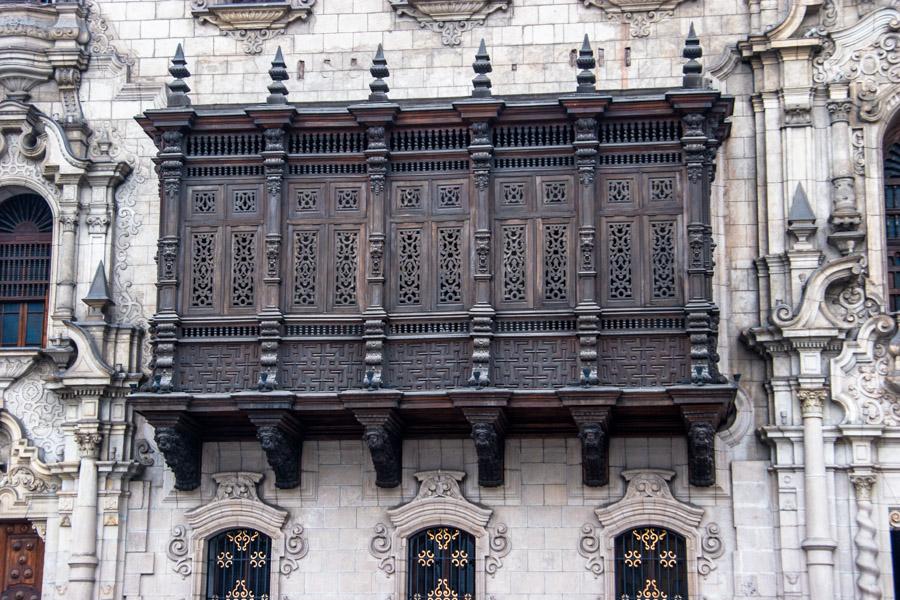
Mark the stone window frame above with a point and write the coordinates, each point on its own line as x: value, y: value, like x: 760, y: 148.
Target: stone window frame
x: 439, y: 502
x: 648, y: 501
x: 236, y: 506
x: 28, y: 488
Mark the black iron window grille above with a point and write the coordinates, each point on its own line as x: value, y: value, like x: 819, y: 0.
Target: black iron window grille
x: 26, y: 228
x: 238, y: 565
x: 892, y: 221
x: 650, y: 565
x: 441, y: 565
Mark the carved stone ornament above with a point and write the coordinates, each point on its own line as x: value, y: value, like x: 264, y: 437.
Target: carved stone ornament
x: 26, y: 474
x: 439, y: 502
x: 251, y: 23
x: 237, y: 485
x: 638, y: 14
x: 851, y: 55
x: 178, y: 551
x: 295, y: 548
x: 450, y: 18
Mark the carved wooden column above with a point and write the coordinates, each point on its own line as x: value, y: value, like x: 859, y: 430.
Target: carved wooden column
x: 274, y: 118
x: 585, y: 109
x: 479, y: 115
x: 376, y: 116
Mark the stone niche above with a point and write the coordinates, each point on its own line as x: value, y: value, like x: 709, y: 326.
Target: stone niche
x: 251, y: 23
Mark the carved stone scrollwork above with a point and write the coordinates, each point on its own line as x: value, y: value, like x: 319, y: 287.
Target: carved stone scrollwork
x: 450, y: 18
x: 488, y: 433
x: 178, y: 551
x: 382, y: 436
x: 380, y: 548
x: 295, y: 549
x: 181, y: 449
x: 712, y: 546
x: 499, y: 548
x: 589, y: 548
x: 701, y: 439
x: 282, y: 446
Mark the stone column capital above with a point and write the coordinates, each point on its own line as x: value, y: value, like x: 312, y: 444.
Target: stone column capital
x: 812, y: 402
x: 862, y: 485
x: 88, y: 443
x: 839, y: 110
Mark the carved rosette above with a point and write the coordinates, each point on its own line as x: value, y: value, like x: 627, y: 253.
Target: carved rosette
x: 250, y: 24
x: 450, y: 18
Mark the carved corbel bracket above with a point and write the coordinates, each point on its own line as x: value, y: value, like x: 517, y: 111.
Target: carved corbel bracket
x: 280, y: 435
x: 179, y: 443
x: 593, y: 431
x: 251, y: 23
x: 383, y: 437
x: 701, y: 446
x: 489, y: 434
x: 450, y: 18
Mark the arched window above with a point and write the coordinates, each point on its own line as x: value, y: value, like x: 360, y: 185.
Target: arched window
x: 650, y: 563
x: 441, y: 564
x: 26, y: 227
x: 238, y: 565
x: 892, y: 220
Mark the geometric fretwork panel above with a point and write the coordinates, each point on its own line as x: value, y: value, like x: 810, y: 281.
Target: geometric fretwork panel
x: 321, y: 366
x: 644, y: 360
x: 537, y: 362
x: 217, y: 368
x: 429, y: 364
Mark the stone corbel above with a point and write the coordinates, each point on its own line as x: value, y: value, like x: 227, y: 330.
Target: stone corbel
x: 638, y: 14
x: 180, y: 445
x: 281, y: 437
x: 450, y: 18
x: 251, y: 23
x: 489, y: 434
x: 383, y: 437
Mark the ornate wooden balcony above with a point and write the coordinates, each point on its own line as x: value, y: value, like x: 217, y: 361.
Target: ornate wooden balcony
x: 480, y: 266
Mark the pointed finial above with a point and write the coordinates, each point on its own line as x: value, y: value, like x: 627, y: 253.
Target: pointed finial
x: 693, y: 70
x: 277, y: 90
x: 98, y: 297
x: 587, y: 64
x: 800, y: 208
x: 481, y: 85
x: 176, y: 93
x: 379, y: 71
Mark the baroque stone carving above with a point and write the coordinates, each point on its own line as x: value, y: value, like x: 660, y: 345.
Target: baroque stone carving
x: 866, y: 538
x: 249, y: 23
x: 283, y: 453
x: 701, y: 454
x: 295, y: 548
x: 450, y: 18
x: 178, y: 551
x: 39, y: 410
x: 499, y: 547
x: 851, y: 55
x: 237, y: 485
x: 380, y: 548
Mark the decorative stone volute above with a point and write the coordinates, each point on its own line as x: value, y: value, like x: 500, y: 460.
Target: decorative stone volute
x: 251, y: 23
x: 450, y: 18
x: 237, y: 485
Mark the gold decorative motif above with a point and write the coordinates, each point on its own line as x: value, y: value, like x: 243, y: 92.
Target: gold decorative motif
x: 442, y: 591
x: 242, y: 539
x: 667, y: 559
x: 633, y: 558
x: 240, y: 592
x: 224, y: 559
x: 459, y: 558
x: 426, y: 558
x: 258, y: 559
x: 443, y: 537
x: 649, y: 537
x: 651, y: 592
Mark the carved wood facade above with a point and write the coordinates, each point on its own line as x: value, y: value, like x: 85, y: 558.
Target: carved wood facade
x: 532, y: 265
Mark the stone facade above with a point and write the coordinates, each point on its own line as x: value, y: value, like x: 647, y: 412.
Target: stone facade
x: 808, y: 466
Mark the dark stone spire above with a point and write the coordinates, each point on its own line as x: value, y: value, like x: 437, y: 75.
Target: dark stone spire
x: 587, y: 64
x: 277, y: 90
x: 481, y: 85
x: 693, y: 70
x: 379, y: 71
x: 98, y: 297
x: 176, y: 93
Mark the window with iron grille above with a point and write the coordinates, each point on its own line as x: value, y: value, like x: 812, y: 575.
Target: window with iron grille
x: 441, y: 565
x: 26, y: 228
x: 238, y: 565
x: 892, y: 221
x: 650, y: 564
